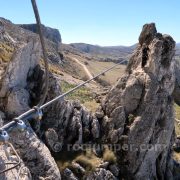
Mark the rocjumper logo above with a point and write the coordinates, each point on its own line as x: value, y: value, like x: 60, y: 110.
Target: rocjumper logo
x: 117, y: 147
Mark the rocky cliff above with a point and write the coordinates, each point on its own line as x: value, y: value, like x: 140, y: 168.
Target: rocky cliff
x: 140, y: 107
x: 48, y: 32
x: 129, y: 137
x: 15, y: 99
x: 16, y: 36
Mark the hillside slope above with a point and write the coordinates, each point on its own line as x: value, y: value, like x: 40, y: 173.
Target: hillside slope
x: 107, y: 53
x: 48, y: 32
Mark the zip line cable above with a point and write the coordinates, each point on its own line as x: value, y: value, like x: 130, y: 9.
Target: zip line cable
x: 36, y: 112
x: 20, y: 125
x: 78, y: 86
x: 45, y: 57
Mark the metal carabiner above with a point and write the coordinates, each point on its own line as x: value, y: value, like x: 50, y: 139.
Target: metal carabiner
x: 7, y: 144
x: 4, y: 137
x: 20, y: 125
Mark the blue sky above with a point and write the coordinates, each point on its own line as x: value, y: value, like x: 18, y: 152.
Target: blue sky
x: 102, y: 22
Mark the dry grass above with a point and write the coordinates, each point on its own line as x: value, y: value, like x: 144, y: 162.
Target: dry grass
x: 65, y: 158
x: 177, y: 128
x: 109, y: 156
x: 74, y: 69
x: 177, y: 111
x: 83, y: 94
x: 91, y: 105
x: 88, y: 160
x: 55, y: 69
x: 112, y: 76
x: 176, y: 156
x: 6, y: 52
x: 63, y: 165
x: 96, y: 67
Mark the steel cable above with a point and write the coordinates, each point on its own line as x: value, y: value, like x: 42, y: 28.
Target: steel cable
x: 32, y: 113
x: 36, y: 111
x: 45, y: 57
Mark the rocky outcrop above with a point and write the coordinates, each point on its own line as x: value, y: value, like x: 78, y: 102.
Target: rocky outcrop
x: 15, y: 36
x: 18, y: 88
x: 71, y: 124
x: 137, y: 116
x: 23, y: 63
x: 48, y: 32
x: 140, y: 109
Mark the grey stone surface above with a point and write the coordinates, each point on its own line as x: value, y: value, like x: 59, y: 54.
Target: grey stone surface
x: 137, y: 112
x: 101, y: 174
x: 50, y: 33
x: 15, y: 98
x: 144, y: 96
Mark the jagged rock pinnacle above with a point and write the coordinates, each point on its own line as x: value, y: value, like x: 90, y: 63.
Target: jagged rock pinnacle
x: 147, y: 34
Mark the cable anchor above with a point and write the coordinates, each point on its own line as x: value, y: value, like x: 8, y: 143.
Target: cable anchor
x: 20, y: 124
x: 4, y: 141
x: 39, y: 113
x: 4, y: 137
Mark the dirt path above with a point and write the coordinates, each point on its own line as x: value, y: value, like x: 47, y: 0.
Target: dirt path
x: 85, y: 68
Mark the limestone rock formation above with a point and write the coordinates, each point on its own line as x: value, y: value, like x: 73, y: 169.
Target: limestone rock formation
x: 140, y: 109
x: 13, y: 84
x: 137, y: 115
x: 17, y: 87
x: 48, y: 32
x: 17, y: 36
x: 72, y: 123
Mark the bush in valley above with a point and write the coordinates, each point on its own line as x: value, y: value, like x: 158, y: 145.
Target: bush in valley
x: 102, y: 82
x: 86, y: 63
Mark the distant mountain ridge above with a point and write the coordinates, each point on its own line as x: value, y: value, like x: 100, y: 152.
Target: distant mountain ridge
x: 100, y: 53
x: 116, y: 52
x: 111, y: 52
